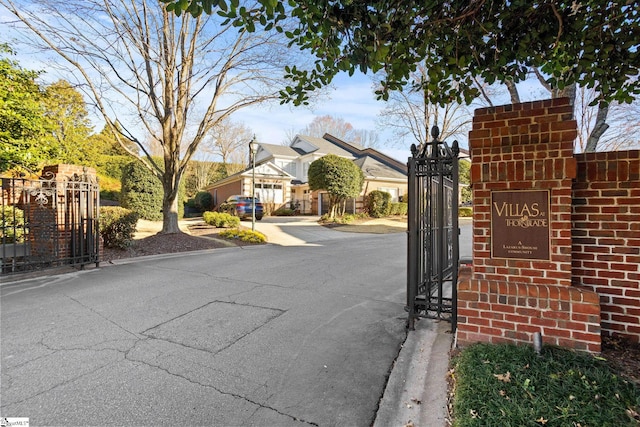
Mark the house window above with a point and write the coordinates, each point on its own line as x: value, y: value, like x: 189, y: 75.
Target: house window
x: 305, y: 171
x: 287, y: 166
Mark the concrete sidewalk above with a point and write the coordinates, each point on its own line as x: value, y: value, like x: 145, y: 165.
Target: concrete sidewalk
x: 416, y: 393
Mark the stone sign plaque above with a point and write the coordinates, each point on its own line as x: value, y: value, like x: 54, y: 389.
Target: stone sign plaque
x: 520, y: 224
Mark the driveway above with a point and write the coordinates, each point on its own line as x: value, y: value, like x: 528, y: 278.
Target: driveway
x: 301, y: 332
x: 296, y: 231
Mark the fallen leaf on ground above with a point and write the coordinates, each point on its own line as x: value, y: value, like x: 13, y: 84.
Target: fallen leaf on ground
x: 504, y: 377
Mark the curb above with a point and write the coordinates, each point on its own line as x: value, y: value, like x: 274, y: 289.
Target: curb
x: 416, y: 393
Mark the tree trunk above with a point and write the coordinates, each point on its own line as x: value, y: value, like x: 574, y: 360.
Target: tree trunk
x: 600, y: 127
x: 170, y: 201
x: 170, y: 217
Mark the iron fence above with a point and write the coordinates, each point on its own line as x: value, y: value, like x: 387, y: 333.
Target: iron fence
x: 48, y: 222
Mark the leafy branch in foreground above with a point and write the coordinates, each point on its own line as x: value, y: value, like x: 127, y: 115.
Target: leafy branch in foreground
x: 593, y: 43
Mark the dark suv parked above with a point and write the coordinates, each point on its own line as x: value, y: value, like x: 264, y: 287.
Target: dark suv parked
x: 241, y: 206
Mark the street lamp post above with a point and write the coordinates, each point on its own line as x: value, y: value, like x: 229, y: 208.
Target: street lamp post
x: 253, y: 148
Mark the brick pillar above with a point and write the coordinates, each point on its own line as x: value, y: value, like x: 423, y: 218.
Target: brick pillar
x: 521, y: 174
x: 49, y: 236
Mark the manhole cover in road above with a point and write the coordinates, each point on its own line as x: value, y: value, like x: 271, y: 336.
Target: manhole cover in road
x: 213, y: 327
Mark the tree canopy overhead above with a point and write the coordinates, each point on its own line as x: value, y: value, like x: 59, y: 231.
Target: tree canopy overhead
x: 594, y: 43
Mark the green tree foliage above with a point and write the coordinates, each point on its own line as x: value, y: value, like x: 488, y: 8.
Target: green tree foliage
x: 23, y: 125
x: 339, y: 177
x: 178, y: 76
x: 70, y: 126
x: 590, y: 42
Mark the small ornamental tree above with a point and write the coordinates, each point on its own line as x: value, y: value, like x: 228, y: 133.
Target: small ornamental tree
x: 339, y: 177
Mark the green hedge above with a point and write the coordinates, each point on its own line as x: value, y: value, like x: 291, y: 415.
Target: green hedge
x: 12, y: 228
x: 378, y: 204
x: 117, y: 226
x: 247, y: 236
x: 220, y: 219
x: 399, y: 208
x: 465, y: 211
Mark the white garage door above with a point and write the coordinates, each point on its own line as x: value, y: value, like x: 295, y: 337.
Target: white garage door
x: 270, y: 193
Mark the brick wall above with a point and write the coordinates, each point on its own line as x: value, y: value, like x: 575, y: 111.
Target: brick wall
x: 606, y: 237
x: 526, y: 146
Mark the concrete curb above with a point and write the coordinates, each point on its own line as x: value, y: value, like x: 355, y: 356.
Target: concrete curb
x: 416, y: 393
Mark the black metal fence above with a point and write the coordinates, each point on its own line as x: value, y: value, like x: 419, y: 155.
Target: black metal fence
x: 433, y: 232
x: 48, y: 222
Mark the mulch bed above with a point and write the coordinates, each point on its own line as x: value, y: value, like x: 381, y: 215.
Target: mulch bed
x: 623, y: 356
x: 202, y: 237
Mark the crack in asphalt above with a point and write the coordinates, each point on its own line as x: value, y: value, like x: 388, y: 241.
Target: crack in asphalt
x: 101, y: 316
x: 222, y: 392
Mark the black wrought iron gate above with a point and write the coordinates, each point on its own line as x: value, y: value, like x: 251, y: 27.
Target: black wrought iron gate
x: 433, y: 231
x: 48, y: 222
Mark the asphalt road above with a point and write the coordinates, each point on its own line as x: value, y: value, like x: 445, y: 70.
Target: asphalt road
x: 285, y: 335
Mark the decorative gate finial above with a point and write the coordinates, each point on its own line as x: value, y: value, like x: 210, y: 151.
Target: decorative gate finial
x: 435, y: 132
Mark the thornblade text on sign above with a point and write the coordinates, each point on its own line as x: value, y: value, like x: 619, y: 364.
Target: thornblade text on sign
x: 520, y: 224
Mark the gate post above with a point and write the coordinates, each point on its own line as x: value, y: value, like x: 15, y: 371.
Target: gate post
x: 432, y: 231
x: 412, y: 239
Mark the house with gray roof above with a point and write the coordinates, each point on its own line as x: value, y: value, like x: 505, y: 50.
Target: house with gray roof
x: 281, y: 175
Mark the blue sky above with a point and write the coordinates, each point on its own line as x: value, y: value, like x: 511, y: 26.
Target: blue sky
x: 349, y: 98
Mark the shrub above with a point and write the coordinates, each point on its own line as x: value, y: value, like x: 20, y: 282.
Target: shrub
x: 142, y: 192
x: 465, y: 211
x: 203, y: 200
x: 247, y: 236
x: 378, y: 203
x: 190, y: 203
x: 343, y: 219
x: 283, y: 212
x: 398, y: 208
x: 117, y: 226
x: 220, y: 219
x: 13, y: 225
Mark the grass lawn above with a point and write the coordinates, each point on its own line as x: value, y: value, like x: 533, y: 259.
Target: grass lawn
x: 507, y: 385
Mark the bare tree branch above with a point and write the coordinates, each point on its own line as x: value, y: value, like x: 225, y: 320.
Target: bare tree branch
x: 154, y: 76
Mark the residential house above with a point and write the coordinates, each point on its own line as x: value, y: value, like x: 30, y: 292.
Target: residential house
x: 281, y: 175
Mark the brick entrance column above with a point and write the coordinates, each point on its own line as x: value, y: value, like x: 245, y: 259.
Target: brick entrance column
x: 520, y: 283
x: 50, y: 224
